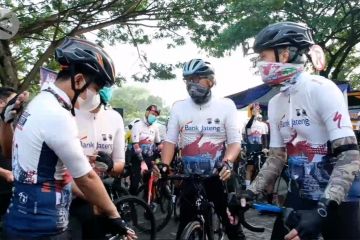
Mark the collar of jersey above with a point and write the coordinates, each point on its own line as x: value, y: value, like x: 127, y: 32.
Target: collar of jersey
x: 88, y: 113
x: 64, y: 97
x: 295, y: 86
x: 202, y: 106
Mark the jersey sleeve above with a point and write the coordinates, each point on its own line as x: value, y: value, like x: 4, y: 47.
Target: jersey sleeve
x: 118, y: 154
x: 275, y: 137
x: 173, y: 127
x: 157, y: 138
x: 232, y: 124
x: 331, y: 106
x: 135, y: 133
x: 62, y: 137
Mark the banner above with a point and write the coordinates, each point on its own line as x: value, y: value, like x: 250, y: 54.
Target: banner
x: 46, y: 76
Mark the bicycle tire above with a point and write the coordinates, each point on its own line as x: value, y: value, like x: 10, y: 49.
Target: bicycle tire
x: 128, y: 207
x: 218, y: 229
x: 176, y: 208
x: 165, y: 209
x: 193, y: 231
x: 119, y: 192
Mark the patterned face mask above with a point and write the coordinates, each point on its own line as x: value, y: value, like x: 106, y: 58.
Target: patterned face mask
x: 275, y: 73
x: 198, y: 93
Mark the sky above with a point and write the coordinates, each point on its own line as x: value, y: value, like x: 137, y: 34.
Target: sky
x: 233, y: 73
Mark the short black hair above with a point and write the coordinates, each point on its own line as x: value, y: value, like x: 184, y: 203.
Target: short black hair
x: 154, y: 108
x: 5, y: 92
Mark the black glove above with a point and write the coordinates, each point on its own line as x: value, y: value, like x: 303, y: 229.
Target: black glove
x: 310, y: 222
x: 105, y: 158
x: 164, y: 169
x: 118, y: 226
x: 248, y: 195
x: 220, y: 165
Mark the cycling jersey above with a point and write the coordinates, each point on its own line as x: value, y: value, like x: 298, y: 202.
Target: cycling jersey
x: 128, y: 139
x: 257, y: 129
x: 202, y: 131
x: 102, y: 131
x: 146, y: 136
x: 45, y: 146
x: 303, y: 119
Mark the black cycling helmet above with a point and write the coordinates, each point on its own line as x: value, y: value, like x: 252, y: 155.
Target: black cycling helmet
x: 197, y: 67
x: 283, y: 34
x: 76, y: 51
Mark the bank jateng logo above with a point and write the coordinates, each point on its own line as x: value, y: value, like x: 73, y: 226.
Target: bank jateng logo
x: 9, y: 24
x: 295, y: 122
x: 201, y: 128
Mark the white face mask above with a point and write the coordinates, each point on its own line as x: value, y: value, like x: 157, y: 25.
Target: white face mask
x: 91, y: 102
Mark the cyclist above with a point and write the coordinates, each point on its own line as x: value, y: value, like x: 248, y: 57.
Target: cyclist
x: 6, y: 133
x: 101, y: 132
x: 128, y: 153
x: 257, y: 132
x: 146, y: 142
x: 47, y: 152
x: 203, y: 125
x: 308, y: 112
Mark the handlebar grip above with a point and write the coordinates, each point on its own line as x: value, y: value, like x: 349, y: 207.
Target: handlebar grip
x: 264, y: 207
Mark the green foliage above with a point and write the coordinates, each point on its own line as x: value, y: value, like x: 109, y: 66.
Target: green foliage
x: 44, y: 24
x: 336, y: 24
x: 134, y: 101
x: 218, y: 26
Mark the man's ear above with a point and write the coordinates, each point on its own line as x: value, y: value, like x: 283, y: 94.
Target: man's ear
x: 2, y: 103
x: 212, y: 83
x: 79, y: 81
x: 284, y: 56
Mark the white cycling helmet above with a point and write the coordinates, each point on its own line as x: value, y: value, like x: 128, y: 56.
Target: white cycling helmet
x: 197, y: 67
x: 131, y: 124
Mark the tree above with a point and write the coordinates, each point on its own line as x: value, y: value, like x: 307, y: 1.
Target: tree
x: 135, y: 100
x: 44, y: 25
x: 336, y: 25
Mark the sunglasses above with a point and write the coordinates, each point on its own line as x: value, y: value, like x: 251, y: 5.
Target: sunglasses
x: 195, y: 79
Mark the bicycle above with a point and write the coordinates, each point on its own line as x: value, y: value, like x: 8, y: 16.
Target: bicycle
x: 160, y: 200
x: 197, y: 229
x: 131, y: 209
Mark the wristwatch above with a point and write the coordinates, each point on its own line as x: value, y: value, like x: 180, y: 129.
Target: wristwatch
x: 324, y: 205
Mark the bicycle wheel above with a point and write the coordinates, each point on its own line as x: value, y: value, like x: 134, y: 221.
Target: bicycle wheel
x: 193, y: 231
x: 161, y: 206
x: 118, y: 192
x: 138, y: 216
x: 176, y: 207
x: 219, y: 233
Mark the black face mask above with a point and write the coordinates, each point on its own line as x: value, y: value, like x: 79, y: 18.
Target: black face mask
x: 198, y: 93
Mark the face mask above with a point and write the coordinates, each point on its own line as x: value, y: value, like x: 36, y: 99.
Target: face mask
x: 106, y: 94
x: 275, y: 73
x: 91, y: 102
x: 198, y: 93
x: 151, y: 119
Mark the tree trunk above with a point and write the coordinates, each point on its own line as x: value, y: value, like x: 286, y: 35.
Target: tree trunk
x: 35, y: 70
x: 8, y: 70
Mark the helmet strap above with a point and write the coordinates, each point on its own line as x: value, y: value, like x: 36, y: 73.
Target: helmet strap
x: 297, y: 53
x: 276, y: 52
x: 77, y: 91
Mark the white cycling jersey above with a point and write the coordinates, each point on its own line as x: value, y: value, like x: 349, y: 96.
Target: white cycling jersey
x: 303, y: 119
x: 257, y: 129
x: 102, y: 131
x: 202, y: 131
x: 146, y: 136
x: 45, y: 146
